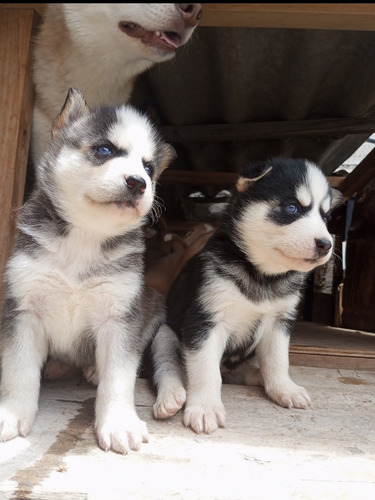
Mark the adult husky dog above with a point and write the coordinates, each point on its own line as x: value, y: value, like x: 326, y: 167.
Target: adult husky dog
x: 239, y: 295
x: 75, y: 281
x: 101, y: 49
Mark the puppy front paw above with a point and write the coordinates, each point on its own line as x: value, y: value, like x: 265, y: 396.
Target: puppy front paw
x: 15, y: 420
x: 289, y: 395
x: 205, y: 418
x: 169, y: 401
x: 121, y: 431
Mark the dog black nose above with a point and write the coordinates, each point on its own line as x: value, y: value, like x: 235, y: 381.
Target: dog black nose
x: 190, y: 13
x: 136, y: 183
x: 323, y: 246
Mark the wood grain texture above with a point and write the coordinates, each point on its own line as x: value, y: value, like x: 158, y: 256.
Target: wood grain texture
x: 16, y: 101
x: 324, y: 16
x: 331, y: 16
x: 335, y: 127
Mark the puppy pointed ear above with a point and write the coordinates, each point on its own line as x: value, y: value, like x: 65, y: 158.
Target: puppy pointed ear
x: 250, y: 175
x: 74, y: 107
x: 337, y: 198
x: 168, y: 154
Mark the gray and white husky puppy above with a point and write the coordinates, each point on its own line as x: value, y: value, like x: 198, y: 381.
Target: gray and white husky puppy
x: 74, y: 285
x: 239, y: 295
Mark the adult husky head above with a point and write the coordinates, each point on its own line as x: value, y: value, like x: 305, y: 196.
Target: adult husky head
x: 153, y: 31
x: 101, y: 49
x: 283, y: 223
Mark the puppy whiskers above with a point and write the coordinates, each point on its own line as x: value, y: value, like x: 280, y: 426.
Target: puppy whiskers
x: 157, y: 209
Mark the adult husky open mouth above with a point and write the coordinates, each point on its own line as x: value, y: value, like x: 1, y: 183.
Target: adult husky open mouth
x: 166, y: 40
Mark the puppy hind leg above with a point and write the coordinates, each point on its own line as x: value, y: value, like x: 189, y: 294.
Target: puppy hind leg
x: 273, y: 356
x: 23, y: 354
x: 168, y: 373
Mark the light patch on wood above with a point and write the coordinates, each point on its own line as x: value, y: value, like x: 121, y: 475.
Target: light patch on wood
x: 65, y: 441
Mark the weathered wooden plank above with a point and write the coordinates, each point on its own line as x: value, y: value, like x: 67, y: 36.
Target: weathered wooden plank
x: 359, y: 177
x: 334, y: 127
x: 319, y: 345
x: 352, y: 16
x: 320, y: 360
x: 16, y: 101
x: 171, y: 176
x: 324, y: 16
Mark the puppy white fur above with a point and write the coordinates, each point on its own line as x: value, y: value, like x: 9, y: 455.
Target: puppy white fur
x: 236, y: 300
x: 75, y: 281
x: 101, y: 49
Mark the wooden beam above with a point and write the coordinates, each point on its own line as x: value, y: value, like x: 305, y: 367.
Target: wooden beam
x: 323, y: 16
x: 361, y: 175
x: 334, y: 127
x: 16, y: 103
x: 326, y: 16
x: 192, y: 177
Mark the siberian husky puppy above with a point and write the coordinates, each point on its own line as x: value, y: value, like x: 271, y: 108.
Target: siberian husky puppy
x: 238, y: 296
x: 101, y: 48
x: 75, y: 281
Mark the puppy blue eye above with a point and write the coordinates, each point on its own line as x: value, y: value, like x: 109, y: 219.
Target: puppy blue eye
x: 104, y: 150
x: 149, y: 169
x: 291, y: 208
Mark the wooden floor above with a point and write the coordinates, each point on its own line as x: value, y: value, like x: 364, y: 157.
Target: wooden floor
x: 324, y: 346
x: 265, y: 452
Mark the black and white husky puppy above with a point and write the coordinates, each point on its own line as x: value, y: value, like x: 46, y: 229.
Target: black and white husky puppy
x: 238, y: 296
x: 74, y: 285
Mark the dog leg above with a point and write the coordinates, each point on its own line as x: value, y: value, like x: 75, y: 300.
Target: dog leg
x: 273, y: 356
x: 168, y: 373
x: 22, y: 356
x: 117, y: 424
x: 204, y: 410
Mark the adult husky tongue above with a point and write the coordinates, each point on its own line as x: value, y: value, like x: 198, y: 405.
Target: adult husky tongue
x: 167, y: 40
x: 171, y: 38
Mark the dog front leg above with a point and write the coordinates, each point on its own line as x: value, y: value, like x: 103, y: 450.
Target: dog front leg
x: 273, y: 356
x: 117, y: 424
x: 23, y: 354
x: 204, y: 410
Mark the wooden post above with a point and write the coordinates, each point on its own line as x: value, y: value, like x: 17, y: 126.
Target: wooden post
x: 16, y: 103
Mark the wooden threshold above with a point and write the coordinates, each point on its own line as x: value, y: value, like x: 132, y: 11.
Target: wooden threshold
x: 317, y: 345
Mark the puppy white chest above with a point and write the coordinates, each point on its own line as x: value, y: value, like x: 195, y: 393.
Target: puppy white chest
x: 241, y: 317
x: 67, y: 297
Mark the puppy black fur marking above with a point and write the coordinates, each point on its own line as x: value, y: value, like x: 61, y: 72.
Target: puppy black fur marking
x: 75, y: 281
x: 236, y: 300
